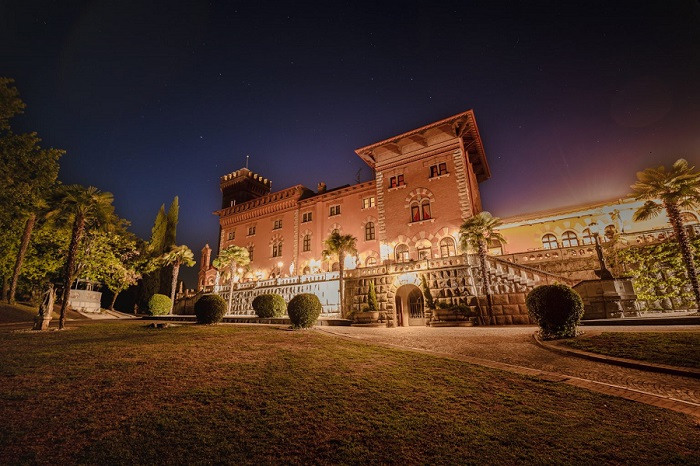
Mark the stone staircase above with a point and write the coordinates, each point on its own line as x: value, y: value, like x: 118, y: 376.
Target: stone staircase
x: 508, y: 277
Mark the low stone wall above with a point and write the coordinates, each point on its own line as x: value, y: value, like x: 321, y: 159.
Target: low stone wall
x: 508, y: 308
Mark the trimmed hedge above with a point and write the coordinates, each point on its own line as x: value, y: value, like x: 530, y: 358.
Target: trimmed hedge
x: 159, y: 305
x: 269, y: 305
x: 210, y: 309
x: 557, y: 309
x: 304, y: 309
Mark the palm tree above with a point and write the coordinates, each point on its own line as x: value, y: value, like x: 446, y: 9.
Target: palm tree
x: 673, y: 190
x: 340, y: 245
x: 177, y: 256
x: 232, y: 258
x: 84, y: 205
x: 475, y: 233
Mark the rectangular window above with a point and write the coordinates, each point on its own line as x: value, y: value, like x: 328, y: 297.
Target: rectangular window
x: 396, y: 181
x: 335, y: 210
x: 306, y: 217
x: 278, y: 225
x: 415, y: 213
x: 251, y: 230
x: 368, y: 202
x: 250, y: 252
x: 231, y: 235
x: 438, y: 170
x: 307, y: 243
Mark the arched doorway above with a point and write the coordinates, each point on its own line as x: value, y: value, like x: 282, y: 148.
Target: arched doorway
x: 409, y: 306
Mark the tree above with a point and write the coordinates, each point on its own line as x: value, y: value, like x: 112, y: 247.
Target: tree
x: 169, y: 236
x: 30, y: 173
x: 341, y: 246
x: 177, y: 256
x: 232, y: 258
x: 672, y: 191
x: 475, y: 233
x: 85, y: 206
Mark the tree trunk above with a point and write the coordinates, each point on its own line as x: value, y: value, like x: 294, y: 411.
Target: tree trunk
x: 486, y: 284
x: 78, y: 227
x: 674, y: 217
x: 230, y: 291
x: 173, y: 286
x: 341, y: 272
x: 5, y: 288
x: 114, y: 300
x: 28, y: 228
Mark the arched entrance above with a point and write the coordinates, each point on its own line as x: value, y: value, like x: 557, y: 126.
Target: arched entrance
x: 409, y: 306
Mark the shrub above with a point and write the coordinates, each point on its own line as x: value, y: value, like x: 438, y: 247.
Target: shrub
x: 557, y: 309
x: 159, y: 305
x: 372, y: 303
x: 303, y: 310
x: 269, y: 305
x: 210, y: 309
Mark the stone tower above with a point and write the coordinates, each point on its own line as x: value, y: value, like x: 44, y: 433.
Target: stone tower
x: 242, y: 186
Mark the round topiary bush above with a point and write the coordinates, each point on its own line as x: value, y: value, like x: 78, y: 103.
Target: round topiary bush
x: 159, y: 305
x: 303, y: 310
x: 557, y: 309
x: 269, y: 305
x: 210, y: 309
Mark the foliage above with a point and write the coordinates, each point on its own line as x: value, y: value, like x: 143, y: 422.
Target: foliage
x: 159, y: 305
x: 269, y: 305
x: 232, y: 258
x: 176, y: 257
x: 210, y: 309
x: 341, y: 246
x: 557, y: 309
x: 304, y: 309
x: 372, y: 303
x: 475, y: 233
x: 676, y: 189
x: 427, y: 294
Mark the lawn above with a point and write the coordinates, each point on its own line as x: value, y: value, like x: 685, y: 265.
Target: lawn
x: 672, y: 348
x: 121, y: 393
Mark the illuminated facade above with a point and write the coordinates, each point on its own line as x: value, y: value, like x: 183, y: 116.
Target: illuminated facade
x: 426, y: 184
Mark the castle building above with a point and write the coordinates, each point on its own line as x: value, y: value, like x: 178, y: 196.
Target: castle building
x: 406, y: 221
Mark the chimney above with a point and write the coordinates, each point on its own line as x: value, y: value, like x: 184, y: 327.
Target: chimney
x: 321, y: 187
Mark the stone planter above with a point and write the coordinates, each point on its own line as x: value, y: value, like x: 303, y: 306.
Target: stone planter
x: 367, y: 317
x: 450, y: 315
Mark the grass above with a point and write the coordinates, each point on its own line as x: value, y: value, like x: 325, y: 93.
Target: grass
x: 121, y: 393
x: 22, y: 312
x: 672, y: 348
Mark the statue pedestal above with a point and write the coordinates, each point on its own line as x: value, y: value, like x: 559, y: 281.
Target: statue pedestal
x: 608, y: 298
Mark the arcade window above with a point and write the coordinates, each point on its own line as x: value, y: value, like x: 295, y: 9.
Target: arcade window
x: 278, y: 225
x: 549, y: 241
x: 396, y: 181
x: 306, y: 217
x: 334, y: 210
x: 368, y: 202
x: 569, y: 239
x: 447, y: 247
x: 438, y: 170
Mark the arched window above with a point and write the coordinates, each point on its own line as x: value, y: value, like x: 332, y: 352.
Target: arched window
x: 369, y: 231
x: 277, y: 249
x: 424, y: 248
x: 569, y: 239
x: 335, y: 267
x: 402, y: 253
x: 420, y: 210
x: 307, y: 270
x: 549, y: 241
x: 306, y: 246
x: 371, y: 261
x: 447, y: 247
x: 587, y: 237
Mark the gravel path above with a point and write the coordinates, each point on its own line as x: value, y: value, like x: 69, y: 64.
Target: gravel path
x: 516, y: 346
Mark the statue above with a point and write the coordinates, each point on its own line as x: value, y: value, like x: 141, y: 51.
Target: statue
x: 42, y: 320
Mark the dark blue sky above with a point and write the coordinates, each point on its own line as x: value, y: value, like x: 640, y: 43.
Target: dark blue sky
x: 155, y: 99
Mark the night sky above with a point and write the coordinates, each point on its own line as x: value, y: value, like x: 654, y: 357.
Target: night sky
x: 156, y: 99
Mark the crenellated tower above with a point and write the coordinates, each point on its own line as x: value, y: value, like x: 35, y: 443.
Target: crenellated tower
x: 241, y: 186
